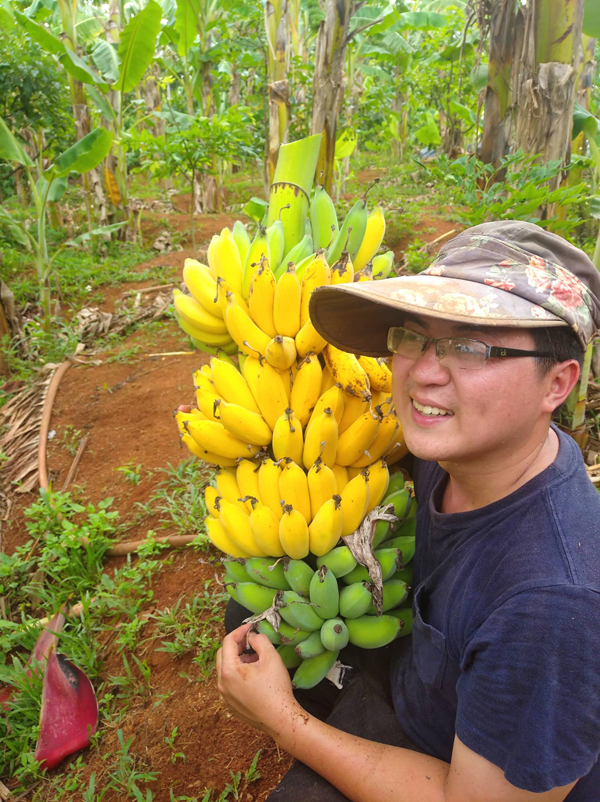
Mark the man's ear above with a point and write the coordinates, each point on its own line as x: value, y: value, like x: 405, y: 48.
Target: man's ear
x: 560, y: 381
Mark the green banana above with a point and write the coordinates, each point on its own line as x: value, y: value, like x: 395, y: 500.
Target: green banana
x: 340, y: 561
x: 298, y: 612
x: 292, y: 635
x: 371, y: 632
x: 396, y: 483
x: 269, y: 630
x: 232, y: 590
x: 289, y: 656
x: 407, y: 528
x: 406, y: 546
x: 334, y: 634
x: 323, y: 218
x: 324, y: 593
x: 310, y: 647
x: 401, y: 501
x: 254, y: 597
x: 267, y: 571
x: 355, y: 600
x: 258, y: 247
x: 314, y: 669
x: 405, y: 574
x: 301, y: 266
x: 297, y: 254
x: 356, y: 219
x: 235, y: 571
x: 382, y: 264
x: 242, y: 239
x: 404, y: 614
x: 222, y: 351
x: 298, y: 575
x: 275, y: 242
x: 390, y: 561
x: 395, y: 592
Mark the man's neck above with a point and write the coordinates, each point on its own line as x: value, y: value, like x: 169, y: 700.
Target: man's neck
x: 477, y: 485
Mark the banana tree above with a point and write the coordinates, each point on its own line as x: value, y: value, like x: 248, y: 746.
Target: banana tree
x: 276, y: 13
x: 51, y: 185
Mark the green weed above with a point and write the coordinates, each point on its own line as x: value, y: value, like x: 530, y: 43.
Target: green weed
x: 179, y: 499
x: 131, y: 472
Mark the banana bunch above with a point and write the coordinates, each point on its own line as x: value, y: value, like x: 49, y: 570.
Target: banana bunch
x: 325, y: 603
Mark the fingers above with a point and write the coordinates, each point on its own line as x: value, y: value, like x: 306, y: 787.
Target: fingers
x: 260, y: 643
x: 235, y: 643
x: 184, y: 408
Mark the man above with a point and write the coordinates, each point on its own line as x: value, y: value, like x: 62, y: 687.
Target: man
x: 500, y: 688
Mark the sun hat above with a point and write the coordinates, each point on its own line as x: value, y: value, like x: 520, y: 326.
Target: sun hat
x: 505, y: 273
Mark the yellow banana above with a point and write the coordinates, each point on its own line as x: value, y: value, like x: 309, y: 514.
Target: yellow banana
x: 287, y: 437
x: 328, y: 380
x: 243, y: 330
x: 223, y: 287
x: 326, y: 527
x: 210, y: 255
x: 209, y: 404
x: 203, y: 379
x: 214, y: 437
x: 321, y: 486
x: 388, y: 434
x: 207, y: 456
x: 286, y: 305
x: 353, y: 408
x: 342, y: 271
x: 334, y: 399
x: 236, y: 523
x: 293, y: 488
x: 244, y: 424
x: 347, y: 371
x: 372, y: 239
x: 308, y: 340
x: 317, y: 274
x: 341, y: 477
x: 211, y: 494
x: 352, y: 472
x: 265, y: 528
x: 202, y: 286
x: 355, y: 500
x: 357, y: 438
x: 306, y: 388
x: 380, y: 376
x: 366, y: 274
x: 262, y: 295
x: 228, y: 487
x: 196, y: 315
x: 271, y: 393
x: 321, y: 439
x: 180, y: 417
x: 281, y: 352
x: 398, y: 450
x: 227, y: 263
x: 231, y: 385
x: 379, y: 479
x: 220, y: 340
x: 269, y: 475
x: 219, y: 538
x: 247, y: 478
x: 250, y: 370
x: 293, y: 533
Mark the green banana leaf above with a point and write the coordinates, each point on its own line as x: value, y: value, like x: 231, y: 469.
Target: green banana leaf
x: 104, y: 56
x: 584, y: 120
x: 10, y: 149
x: 138, y: 41
x: 7, y: 16
x: 83, y: 155
x: 95, y: 232
x: 345, y: 144
x: 186, y: 25
x: 591, y: 19
x: 102, y: 104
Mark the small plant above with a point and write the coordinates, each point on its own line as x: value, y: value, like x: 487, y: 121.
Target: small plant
x: 70, y: 439
x: 179, y: 499
x: 170, y: 742
x: 125, y: 776
x: 131, y: 472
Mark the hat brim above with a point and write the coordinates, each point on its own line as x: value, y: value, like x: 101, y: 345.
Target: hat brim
x: 357, y: 317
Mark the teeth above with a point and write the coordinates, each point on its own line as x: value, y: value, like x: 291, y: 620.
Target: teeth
x: 427, y: 410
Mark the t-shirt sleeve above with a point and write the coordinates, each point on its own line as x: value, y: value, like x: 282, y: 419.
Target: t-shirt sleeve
x: 529, y: 690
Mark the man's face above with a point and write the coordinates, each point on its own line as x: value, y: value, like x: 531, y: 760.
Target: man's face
x: 490, y: 412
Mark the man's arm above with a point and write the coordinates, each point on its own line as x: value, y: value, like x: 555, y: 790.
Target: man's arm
x: 258, y: 690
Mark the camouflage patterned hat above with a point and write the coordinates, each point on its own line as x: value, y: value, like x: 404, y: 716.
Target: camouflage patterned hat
x: 507, y: 273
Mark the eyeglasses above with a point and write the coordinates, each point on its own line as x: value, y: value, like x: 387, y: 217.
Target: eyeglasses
x: 452, y: 352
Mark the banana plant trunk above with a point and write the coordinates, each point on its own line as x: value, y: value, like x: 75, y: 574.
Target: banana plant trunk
x: 545, y: 78
x: 276, y: 12
x: 498, y: 95
x: 328, y: 83
x: 81, y: 115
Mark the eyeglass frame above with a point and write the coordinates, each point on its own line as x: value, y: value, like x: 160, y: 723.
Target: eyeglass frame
x: 496, y: 351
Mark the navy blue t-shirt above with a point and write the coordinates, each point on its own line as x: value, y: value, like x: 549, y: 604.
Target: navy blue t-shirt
x: 506, y: 633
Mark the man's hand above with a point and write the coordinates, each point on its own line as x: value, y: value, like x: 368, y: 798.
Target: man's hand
x: 256, y: 687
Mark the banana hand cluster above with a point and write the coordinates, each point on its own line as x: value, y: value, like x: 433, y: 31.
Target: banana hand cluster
x: 327, y: 603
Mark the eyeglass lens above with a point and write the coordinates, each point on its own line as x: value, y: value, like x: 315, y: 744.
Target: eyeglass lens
x: 452, y: 352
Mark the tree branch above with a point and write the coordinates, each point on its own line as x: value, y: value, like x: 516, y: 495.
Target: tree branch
x: 364, y: 27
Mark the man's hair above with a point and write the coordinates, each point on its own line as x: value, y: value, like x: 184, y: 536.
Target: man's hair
x: 561, y: 342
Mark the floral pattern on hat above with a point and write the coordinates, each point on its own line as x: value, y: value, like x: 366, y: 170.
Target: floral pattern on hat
x: 458, y: 303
